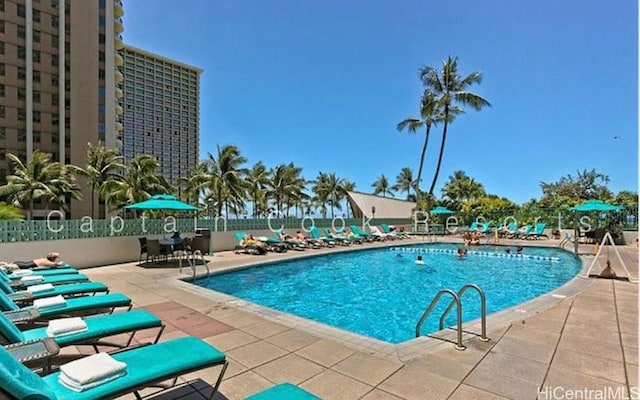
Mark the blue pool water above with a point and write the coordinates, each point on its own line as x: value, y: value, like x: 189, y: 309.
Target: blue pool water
x: 378, y: 294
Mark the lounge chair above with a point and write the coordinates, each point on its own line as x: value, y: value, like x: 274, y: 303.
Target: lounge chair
x: 376, y: 232
x: 483, y: 228
x: 69, y: 290
x: 73, y: 307
x: 283, y: 391
x: 27, y: 281
x: 537, y: 232
x: 326, y: 240
x: 386, y: 229
x: 40, y: 271
x: 249, y: 248
x: 362, y: 234
x: 522, y: 232
x: 340, y: 238
x: 145, y: 366
x: 98, y: 328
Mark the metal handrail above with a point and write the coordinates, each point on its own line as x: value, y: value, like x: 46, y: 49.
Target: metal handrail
x: 483, y: 309
x: 456, y: 299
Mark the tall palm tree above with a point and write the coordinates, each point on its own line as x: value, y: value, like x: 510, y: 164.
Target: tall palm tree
x: 226, y: 170
x: 257, y: 180
x: 404, y: 181
x: 451, y: 89
x: 430, y: 115
x: 194, y: 183
x: 65, y: 186
x: 139, y: 183
x: 39, y: 179
x: 102, y: 165
x: 461, y: 187
x: 348, y: 186
x: 329, y: 189
x: 10, y: 212
x: 381, y: 185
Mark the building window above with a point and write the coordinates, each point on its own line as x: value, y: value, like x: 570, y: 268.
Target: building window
x: 22, y: 32
x: 22, y: 114
x: 101, y: 73
x: 22, y: 94
x: 22, y: 52
x: 36, y: 96
x: 54, y: 21
x: 2, y: 112
x: 2, y: 26
x: 36, y: 136
x: 1, y: 5
x: 22, y: 136
x: 22, y: 73
x: 1, y: 69
x: 1, y: 47
x: 54, y: 60
x: 36, y: 56
x: 54, y: 81
x: 54, y: 138
x: 101, y: 56
x: 101, y: 38
x: 35, y: 16
x: 54, y: 41
x: 55, y: 119
x: 3, y: 132
x: 36, y: 76
x: 36, y: 36
x: 55, y: 99
x: 22, y: 12
x: 36, y: 116
x: 1, y: 90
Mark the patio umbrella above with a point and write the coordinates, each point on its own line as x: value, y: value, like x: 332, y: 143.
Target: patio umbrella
x: 441, y: 211
x: 595, y: 205
x: 162, y: 202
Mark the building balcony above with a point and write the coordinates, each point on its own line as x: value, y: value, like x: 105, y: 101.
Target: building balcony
x: 119, y: 60
x: 119, y: 44
x: 119, y: 127
x: 119, y: 93
x: 119, y: 77
x: 119, y: 109
x: 118, y: 11
x: 117, y: 26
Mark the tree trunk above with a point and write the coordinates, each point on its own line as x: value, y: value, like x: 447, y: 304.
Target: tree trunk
x: 444, y: 138
x: 424, y: 152
x: 93, y: 189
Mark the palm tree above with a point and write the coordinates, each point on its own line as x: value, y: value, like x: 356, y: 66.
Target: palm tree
x: 40, y: 179
x: 461, y: 187
x: 404, y: 181
x: 257, y: 181
x: 10, y: 212
x: 381, y: 185
x: 102, y: 165
x: 139, y: 183
x: 194, y: 183
x: 226, y: 186
x: 451, y: 90
x: 348, y: 186
x: 430, y: 115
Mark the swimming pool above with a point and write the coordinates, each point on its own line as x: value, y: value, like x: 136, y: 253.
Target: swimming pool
x: 381, y: 293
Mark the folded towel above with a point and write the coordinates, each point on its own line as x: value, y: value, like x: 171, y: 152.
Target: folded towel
x: 66, y: 382
x: 39, y: 288
x: 92, y: 369
x: 50, y: 302
x: 32, y: 278
x: 66, y: 326
x: 21, y: 272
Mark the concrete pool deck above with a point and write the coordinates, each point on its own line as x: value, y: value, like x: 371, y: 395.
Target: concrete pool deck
x: 583, y: 341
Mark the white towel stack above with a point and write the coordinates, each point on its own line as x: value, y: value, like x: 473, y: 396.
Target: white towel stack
x: 88, y: 372
x: 21, y: 272
x: 39, y: 288
x: 32, y: 278
x: 65, y: 326
x: 49, y: 302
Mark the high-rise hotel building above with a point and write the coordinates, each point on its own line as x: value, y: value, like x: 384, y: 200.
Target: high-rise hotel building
x: 59, y: 81
x: 161, y: 111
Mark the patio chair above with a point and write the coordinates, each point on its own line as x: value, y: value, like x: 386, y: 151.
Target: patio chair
x: 386, y: 229
x: 375, y: 231
x: 36, y: 292
x: 145, y: 366
x: 282, y: 391
x: 252, y: 248
x: 342, y: 238
x: 325, y: 240
x: 98, y: 327
x: 143, y: 249
x: 72, y: 307
x: 537, y: 232
x: 155, y: 251
x: 362, y: 234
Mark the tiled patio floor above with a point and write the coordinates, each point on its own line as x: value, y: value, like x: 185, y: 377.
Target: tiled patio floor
x: 585, y: 341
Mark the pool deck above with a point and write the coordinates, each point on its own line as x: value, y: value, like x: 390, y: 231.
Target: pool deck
x: 583, y: 341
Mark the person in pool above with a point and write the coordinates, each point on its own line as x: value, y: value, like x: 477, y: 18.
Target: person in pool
x: 519, y: 251
x: 462, y: 252
x: 419, y: 260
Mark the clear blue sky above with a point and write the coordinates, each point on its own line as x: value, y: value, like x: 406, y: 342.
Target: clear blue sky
x: 324, y: 83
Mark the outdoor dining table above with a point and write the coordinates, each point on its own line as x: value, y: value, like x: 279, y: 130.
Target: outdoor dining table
x: 170, y: 244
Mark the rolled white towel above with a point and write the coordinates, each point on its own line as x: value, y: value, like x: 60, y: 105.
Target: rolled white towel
x: 89, y: 371
x: 32, y: 278
x: 39, y: 288
x: 21, y: 272
x: 49, y: 302
x: 65, y: 326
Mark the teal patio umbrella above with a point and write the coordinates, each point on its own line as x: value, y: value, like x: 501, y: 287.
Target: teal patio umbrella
x: 595, y: 205
x: 162, y: 202
x: 441, y: 211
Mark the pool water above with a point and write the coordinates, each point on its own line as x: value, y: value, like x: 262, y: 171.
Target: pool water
x: 381, y: 293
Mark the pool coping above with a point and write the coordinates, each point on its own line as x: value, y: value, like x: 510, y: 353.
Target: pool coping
x: 404, y: 351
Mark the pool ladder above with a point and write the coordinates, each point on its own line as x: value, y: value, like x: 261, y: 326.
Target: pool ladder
x: 456, y: 301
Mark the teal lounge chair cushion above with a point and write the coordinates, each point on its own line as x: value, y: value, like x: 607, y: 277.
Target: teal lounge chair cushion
x: 20, y: 382
x: 50, y: 272
x: 87, y: 303
x: 9, y: 330
x: 102, y: 326
x: 5, y: 287
x: 146, y: 364
x: 59, y: 279
x: 283, y: 391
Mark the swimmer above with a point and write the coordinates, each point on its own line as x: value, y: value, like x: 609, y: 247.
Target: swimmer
x: 462, y: 252
x: 398, y: 255
x: 419, y: 260
x: 519, y: 250
x: 508, y: 251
